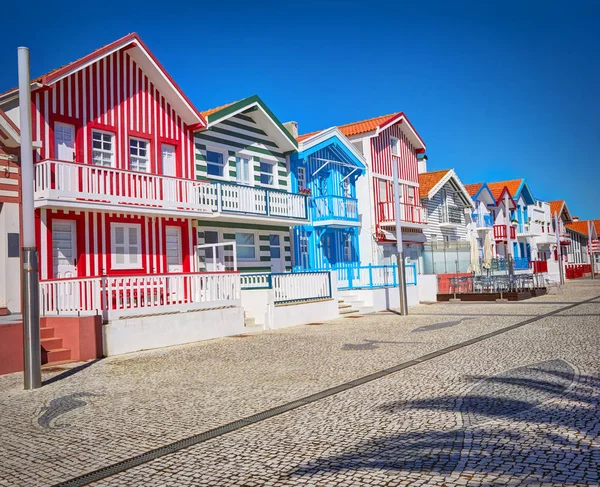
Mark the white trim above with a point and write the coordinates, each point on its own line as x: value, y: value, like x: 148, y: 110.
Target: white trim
x: 225, y: 159
x: 326, y: 134
x: 397, y: 140
x: 401, y: 181
x: 256, y: 244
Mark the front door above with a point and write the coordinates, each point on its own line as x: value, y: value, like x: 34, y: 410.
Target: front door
x: 64, y: 249
x: 64, y: 141
x: 169, y: 168
x: 275, y: 253
x: 174, y: 255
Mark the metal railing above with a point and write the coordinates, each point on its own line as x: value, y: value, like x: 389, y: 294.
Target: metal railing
x: 370, y: 276
x: 408, y: 213
x: 334, y: 208
x: 291, y: 286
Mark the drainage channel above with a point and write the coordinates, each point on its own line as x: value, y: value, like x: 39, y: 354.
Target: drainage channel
x: 148, y: 456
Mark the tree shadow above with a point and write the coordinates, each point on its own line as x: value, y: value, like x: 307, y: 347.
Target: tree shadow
x: 531, y: 424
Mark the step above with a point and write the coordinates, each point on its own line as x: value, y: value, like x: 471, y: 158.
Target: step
x: 249, y: 321
x: 365, y: 310
x: 58, y: 355
x: 344, y: 305
x: 54, y: 343
x: 4, y: 312
x: 60, y: 362
x: 347, y: 311
x: 357, y: 304
x: 46, y: 332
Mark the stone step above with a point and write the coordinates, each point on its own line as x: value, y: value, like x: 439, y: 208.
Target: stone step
x: 344, y: 305
x: 58, y: 355
x: 53, y: 343
x: 348, y: 310
x: 46, y: 332
x: 249, y: 321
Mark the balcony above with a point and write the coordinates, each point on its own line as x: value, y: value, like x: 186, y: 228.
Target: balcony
x: 67, y: 184
x: 83, y: 186
x: 411, y: 216
x: 334, y: 211
x: 244, y: 202
x: 482, y: 222
x: 500, y: 232
x: 451, y: 216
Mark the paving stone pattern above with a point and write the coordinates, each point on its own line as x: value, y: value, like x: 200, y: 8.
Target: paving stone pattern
x: 518, y: 409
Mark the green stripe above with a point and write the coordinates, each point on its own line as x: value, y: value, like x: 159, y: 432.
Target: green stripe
x: 264, y: 237
x: 286, y: 238
x: 232, y: 162
x: 244, y: 127
x: 231, y: 153
x: 256, y: 159
x: 265, y: 259
x: 200, y: 234
x: 229, y: 236
x: 203, y: 223
x: 244, y: 117
x: 232, y: 174
x: 282, y: 182
x: 200, y: 157
x: 253, y: 269
x: 243, y: 136
x: 241, y: 146
x: 282, y: 165
x: 282, y: 173
x: 288, y: 258
x: 265, y: 248
x: 200, y: 146
x: 257, y: 178
x: 287, y: 249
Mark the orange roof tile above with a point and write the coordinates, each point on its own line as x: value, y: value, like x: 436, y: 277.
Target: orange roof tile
x: 580, y: 226
x: 428, y: 180
x: 210, y: 111
x: 356, y: 128
x: 556, y: 207
x: 472, y: 189
x: 597, y: 224
x: 497, y: 188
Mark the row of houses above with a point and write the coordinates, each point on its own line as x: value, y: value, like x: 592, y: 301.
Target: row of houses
x: 145, y: 204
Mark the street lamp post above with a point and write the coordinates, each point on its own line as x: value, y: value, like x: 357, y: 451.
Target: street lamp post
x: 29, y: 258
x: 591, y: 249
x: 399, y: 246
x: 561, y: 271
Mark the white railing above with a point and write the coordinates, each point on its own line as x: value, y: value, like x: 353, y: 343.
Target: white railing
x: 98, y: 184
x: 408, y: 213
x: 215, y: 261
x: 301, y: 286
x: 256, y: 281
x: 236, y: 198
x: 116, y: 297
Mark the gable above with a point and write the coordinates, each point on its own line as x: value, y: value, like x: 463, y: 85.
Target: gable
x: 337, y: 145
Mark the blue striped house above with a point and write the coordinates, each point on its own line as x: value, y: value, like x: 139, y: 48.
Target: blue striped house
x: 327, y: 167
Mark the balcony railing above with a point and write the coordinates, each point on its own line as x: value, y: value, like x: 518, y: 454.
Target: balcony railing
x: 134, y: 295
x: 408, y: 213
x: 482, y: 221
x: 91, y: 185
x: 68, y: 181
x: 500, y: 232
x: 235, y: 198
x: 334, y: 208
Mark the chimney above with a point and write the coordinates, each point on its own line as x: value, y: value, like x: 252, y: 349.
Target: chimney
x: 292, y: 128
x: 422, y: 158
x: 575, y: 218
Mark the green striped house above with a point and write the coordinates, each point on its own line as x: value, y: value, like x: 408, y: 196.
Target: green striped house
x: 244, y: 152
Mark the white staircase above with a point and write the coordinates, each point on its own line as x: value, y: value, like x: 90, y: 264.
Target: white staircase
x: 354, y: 303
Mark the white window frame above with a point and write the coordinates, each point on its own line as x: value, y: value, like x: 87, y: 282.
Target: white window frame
x: 273, y: 173
x: 238, y: 158
x: 224, y: 159
x: 383, y: 194
x: 396, y: 145
x: 146, y: 158
x: 256, y: 247
x: 347, y: 248
x: 113, y: 251
x: 111, y: 152
x: 411, y: 195
x: 301, y: 180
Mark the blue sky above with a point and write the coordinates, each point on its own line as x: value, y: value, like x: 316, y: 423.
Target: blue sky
x: 497, y: 91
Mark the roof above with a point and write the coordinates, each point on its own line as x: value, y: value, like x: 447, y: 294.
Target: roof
x: 9, y: 132
x: 257, y: 106
x: 558, y: 206
x: 428, y: 180
x: 373, y: 124
x: 580, y: 226
x: 336, y: 142
x: 513, y: 187
x: 597, y: 225
x: 474, y: 188
x: 146, y: 60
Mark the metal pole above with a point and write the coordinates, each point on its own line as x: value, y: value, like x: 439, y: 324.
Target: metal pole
x: 399, y: 246
x: 590, y: 248
x: 561, y: 271
x: 29, y: 271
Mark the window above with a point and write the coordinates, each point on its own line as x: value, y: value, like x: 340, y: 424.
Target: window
x: 275, y: 246
x: 383, y: 191
x: 411, y: 195
x: 138, y: 155
x: 243, y: 170
x: 327, y: 247
x: 126, y: 246
x: 395, y: 146
x: 301, y: 177
x: 245, y: 246
x: 347, y: 188
x: 215, y: 163
x: 102, y: 148
x: 266, y: 173
x: 304, y: 245
x: 348, y: 248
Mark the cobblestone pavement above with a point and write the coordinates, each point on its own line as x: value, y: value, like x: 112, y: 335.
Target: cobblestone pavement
x: 518, y: 409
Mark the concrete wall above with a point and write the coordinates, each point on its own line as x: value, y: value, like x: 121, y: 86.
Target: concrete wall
x: 143, y: 333
x: 255, y: 303
x: 427, y: 287
x: 383, y: 298
x: 10, y: 282
x: 284, y: 316
x: 82, y: 335
x: 11, y: 347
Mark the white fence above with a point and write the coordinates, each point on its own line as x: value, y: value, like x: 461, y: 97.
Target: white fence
x: 98, y: 184
x: 116, y: 297
x: 256, y: 281
x: 301, y: 286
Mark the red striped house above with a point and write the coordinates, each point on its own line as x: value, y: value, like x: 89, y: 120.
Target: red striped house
x: 115, y: 187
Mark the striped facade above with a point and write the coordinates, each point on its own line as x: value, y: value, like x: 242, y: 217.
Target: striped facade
x: 238, y: 136
x: 436, y: 215
x: 10, y: 178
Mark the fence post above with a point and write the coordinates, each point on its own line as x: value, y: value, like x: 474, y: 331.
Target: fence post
x: 370, y: 276
x: 219, y: 198
x: 329, y: 279
x: 267, y: 202
x: 394, y: 274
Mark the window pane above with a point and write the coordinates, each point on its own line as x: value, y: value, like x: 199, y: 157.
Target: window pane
x: 245, y: 252
x: 244, y: 238
x: 215, y: 157
x: 133, y: 238
x: 119, y: 235
x: 274, y: 239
